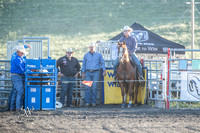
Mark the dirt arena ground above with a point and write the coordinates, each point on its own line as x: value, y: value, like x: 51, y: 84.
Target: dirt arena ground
x: 103, y: 119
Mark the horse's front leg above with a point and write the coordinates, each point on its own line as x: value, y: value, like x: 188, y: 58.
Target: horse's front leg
x: 130, y: 94
x: 122, y: 93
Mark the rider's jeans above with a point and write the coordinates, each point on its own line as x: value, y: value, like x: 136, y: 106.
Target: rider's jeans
x: 135, y: 60
x: 115, y: 66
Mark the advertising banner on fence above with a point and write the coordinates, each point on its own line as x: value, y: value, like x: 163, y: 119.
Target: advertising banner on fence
x: 190, y: 86
x: 112, y: 92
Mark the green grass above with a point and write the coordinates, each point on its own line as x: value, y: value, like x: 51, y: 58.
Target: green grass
x: 77, y: 23
x: 184, y: 104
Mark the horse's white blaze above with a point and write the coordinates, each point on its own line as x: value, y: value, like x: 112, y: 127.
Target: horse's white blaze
x: 120, y: 53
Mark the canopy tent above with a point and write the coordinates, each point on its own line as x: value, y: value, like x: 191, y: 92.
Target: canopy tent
x: 149, y: 42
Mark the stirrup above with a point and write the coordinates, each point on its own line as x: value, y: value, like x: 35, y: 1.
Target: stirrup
x: 141, y: 78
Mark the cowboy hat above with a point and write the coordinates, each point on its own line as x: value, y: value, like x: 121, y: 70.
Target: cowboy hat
x: 20, y: 48
x: 92, y: 44
x: 69, y: 50
x: 127, y: 28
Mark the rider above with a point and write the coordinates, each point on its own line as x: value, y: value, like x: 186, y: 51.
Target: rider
x: 132, y: 46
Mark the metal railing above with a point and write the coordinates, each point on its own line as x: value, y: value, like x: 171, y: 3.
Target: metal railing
x: 179, y: 79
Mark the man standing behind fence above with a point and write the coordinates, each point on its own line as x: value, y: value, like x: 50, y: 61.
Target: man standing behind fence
x: 17, y: 75
x: 92, y: 63
x: 68, y: 69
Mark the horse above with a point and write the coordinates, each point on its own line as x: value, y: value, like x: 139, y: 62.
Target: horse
x: 127, y: 75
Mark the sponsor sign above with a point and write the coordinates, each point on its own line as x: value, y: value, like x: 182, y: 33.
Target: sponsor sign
x: 190, y: 86
x: 112, y: 92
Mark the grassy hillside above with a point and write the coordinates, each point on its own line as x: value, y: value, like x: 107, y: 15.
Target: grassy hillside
x: 76, y: 23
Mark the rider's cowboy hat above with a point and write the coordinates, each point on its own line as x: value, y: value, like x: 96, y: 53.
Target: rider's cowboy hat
x: 20, y: 48
x: 127, y: 28
x: 69, y: 50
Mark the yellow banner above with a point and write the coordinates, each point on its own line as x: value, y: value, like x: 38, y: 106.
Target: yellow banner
x: 112, y: 92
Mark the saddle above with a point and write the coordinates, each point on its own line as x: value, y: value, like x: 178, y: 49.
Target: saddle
x: 133, y: 64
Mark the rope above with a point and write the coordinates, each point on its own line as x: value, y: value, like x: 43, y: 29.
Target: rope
x: 105, y: 81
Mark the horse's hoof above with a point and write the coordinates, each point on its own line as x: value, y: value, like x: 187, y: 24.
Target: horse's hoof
x: 129, y: 105
x: 123, y: 106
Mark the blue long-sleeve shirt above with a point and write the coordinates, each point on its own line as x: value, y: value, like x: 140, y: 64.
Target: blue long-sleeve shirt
x: 130, y: 43
x: 93, y: 62
x: 18, y: 65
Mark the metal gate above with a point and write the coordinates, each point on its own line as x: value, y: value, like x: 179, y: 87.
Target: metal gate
x: 183, y: 77
x: 40, y: 47
x: 156, y: 81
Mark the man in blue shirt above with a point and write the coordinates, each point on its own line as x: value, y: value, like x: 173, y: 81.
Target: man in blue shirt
x: 12, y: 58
x: 17, y: 75
x: 92, y: 63
x: 132, y: 46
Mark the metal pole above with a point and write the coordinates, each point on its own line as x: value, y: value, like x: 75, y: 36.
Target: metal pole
x: 192, y: 25
x: 168, y: 78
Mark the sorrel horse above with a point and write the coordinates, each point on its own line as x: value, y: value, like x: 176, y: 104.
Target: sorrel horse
x: 127, y: 76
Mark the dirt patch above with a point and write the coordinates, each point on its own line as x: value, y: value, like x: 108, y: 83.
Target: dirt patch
x: 103, y: 118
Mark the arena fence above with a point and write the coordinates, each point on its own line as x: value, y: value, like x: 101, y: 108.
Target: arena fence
x: 165, y: 79
x: 183, y: 77
x: 156, y: 82
x: 5, y: 83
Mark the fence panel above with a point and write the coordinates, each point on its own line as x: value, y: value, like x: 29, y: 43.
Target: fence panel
x: 183, y: 77
x: 156, y: 81
x: 5, y: 83
x: 40, y: 47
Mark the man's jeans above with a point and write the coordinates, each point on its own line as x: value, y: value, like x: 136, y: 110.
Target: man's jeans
x: 91, y: 92
x: 18, y: 92
x: 135, y: 60
x: 67, y: 87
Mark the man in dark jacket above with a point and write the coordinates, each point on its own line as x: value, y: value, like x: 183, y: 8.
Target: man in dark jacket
x: 68, y: 69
